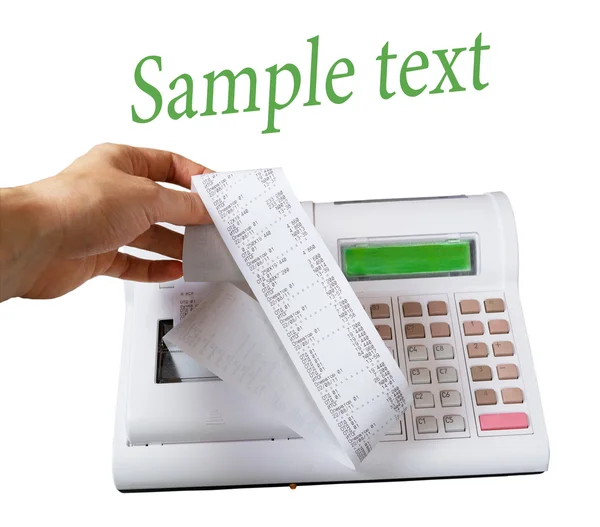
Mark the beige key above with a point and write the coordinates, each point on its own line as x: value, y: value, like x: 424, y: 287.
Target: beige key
x: 469, y: 307
x: 385, y: 331
x: 423, y: 400
x: 414, y: 331
x: 507, y: 372
x: 503, y: 349
x: 477, y: 350
x: 439, y: 329
x: 498, y: 327
x: 473, y: 327
x: 427, y: 424
x: 420, y: 376
x: 412, y: 309
x: 380, y: 311
x: 447, y: 374
x: 437, y: 308
x: 481, y: 373
x: 485, y: 397
x: 454, y: 423
x: 494, y: 305
x: 450, y: 398
x: 417, y: 353
x: 443, y: 351
x: 512, y: 395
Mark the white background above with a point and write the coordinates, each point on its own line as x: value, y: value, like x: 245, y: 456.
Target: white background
x: 67, y: 84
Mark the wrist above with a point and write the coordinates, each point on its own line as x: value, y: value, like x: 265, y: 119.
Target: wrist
x: 28, y: 239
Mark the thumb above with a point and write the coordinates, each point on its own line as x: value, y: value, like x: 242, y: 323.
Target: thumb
x: 180, y: 207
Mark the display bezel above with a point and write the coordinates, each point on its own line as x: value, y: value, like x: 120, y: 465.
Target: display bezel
x: 471, y: 239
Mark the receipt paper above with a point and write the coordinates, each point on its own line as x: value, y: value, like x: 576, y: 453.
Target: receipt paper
x: 304, y: 348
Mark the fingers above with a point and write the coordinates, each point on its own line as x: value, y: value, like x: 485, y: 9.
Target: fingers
x: 180, y: 208
x: 160, y: 240
x: 166, y: 167
x: 128, y: 267
x: 158, y: 165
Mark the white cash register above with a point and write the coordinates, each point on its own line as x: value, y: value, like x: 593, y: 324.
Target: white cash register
x: 439, y: 280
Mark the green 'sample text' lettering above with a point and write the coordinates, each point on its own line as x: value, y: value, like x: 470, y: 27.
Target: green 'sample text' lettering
x: 396, y: 76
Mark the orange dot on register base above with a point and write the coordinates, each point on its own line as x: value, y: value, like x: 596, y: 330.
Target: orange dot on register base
x: 292, y: 486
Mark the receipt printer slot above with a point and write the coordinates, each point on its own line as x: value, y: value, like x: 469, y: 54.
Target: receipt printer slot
x: 176, y: 366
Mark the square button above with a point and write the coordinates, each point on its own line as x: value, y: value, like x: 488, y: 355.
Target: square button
x: 380, y: 311
x: 477, y: 350
x: 481, y: 373
x: 447, y: 374
x: 507, y: 372
x: 512, y: 395
x: 473, y: 327
x: 385, y: 331
x: 469, y: 307
x: 423, y: 400
x: 450, y: 398
x: 420, y: 376
x: 485, y: 397
x: 498, y: 327
x: 439, y: 329
x: 437, y: 308
x: 414, y: 331
x: 494, y: 305
x: 427, y: 425
x: 443, y: 351
x: 503, y: 349
x: 454, y: 423
x: 417, y: 353
x: 396, y: 428
x: 412, y: 309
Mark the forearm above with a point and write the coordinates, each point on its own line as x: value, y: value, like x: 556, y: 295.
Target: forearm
x: 27, y: 239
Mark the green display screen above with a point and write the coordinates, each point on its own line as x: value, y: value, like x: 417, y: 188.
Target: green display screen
x: 408, y: 260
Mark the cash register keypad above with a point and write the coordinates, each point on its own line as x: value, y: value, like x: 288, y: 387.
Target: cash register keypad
x: 432, y: 355
x: 460, y: 360
x: 456, y: 353
x: 498, y: 394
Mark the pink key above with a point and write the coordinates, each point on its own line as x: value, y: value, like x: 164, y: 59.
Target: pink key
x: 503, y: 421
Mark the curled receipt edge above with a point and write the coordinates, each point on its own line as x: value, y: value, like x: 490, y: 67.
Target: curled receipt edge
x: 343, y: 388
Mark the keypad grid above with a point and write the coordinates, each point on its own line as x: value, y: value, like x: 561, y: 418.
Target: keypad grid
x: 498, y: 393
x: 433, y: 369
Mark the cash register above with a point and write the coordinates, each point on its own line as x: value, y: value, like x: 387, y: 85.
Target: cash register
x: 439, y: 279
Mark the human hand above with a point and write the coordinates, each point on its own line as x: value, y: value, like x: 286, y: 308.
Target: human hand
x: 57, y: 233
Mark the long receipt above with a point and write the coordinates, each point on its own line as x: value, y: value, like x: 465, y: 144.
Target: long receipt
x: 342, y: 388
